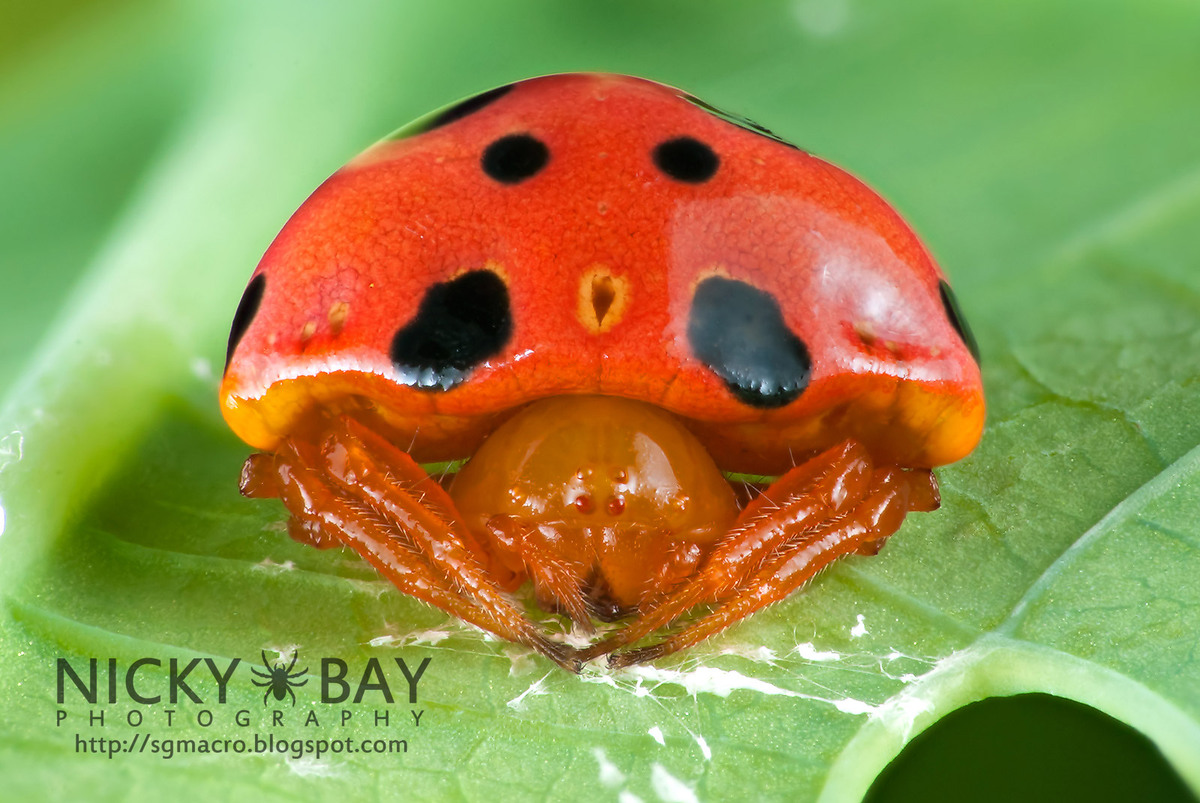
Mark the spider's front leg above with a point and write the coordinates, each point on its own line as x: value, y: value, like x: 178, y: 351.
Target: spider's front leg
x: 352, y: 485
x: 836, y: 504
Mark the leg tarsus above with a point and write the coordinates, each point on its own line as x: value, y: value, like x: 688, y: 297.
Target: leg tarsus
x: 557, y: 580
x: 638, y: 655
x: 307, y: 532
x: 417, y: 546
x: 878, y: 516
x: 392, y: 483
x: 923, y: 493
x: 799, y: 501
x: 260, y: 478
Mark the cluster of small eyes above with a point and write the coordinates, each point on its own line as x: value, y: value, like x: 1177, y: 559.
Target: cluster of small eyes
x: 585, y: 505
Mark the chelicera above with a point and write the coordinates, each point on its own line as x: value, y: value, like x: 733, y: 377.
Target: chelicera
x: 607, y: 299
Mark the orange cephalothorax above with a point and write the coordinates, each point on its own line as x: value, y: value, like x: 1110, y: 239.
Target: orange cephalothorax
x: 608, y: 238
x: 608, y: 502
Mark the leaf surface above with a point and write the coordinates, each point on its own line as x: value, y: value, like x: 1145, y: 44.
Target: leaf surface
x: 1048, y: 157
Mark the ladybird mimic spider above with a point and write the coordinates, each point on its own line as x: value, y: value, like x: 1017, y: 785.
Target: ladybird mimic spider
x: 609, y: 299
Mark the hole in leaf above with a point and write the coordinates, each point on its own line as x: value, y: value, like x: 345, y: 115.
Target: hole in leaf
x: 1029, y: 748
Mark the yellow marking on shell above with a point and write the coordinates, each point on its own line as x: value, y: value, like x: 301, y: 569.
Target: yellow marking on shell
x: 602, y: 300
x: 718, y: 270
x: 492, y: 265
x: 337, y: 316
x: 865, y: 331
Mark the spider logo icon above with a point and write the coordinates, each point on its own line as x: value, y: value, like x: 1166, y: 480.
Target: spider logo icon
x: 279, y: 680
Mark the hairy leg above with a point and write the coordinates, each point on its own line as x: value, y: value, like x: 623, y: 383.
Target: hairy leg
x: 882, y: 509
x: 796, y: 503
x: 582, y: 571
x: 550, y: 555
x: 375, y: 499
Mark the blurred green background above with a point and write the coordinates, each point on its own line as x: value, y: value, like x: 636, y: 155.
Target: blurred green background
x: 1045, y: 151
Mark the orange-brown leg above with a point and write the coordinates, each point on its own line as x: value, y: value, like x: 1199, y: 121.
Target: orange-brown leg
x: 373, y: 497
x: 545, y: 551
x: 673, y: 566
x: 262, y: 475
x: 573, y: 571
x: 891, y: 494
x: 319, y: 508
x: 799, y: 501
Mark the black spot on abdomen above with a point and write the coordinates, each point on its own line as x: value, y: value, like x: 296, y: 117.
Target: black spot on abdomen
x: 514, y: 158
x: 738, y: 331
x: 686, y: 159
x: 247, y: 308
x: 458, y: 325
x: 738, y: 120
x: 950, y: 305
x: 467, y: 107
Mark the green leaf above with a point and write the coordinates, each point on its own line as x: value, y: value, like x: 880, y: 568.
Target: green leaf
x: 1047, y: 155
